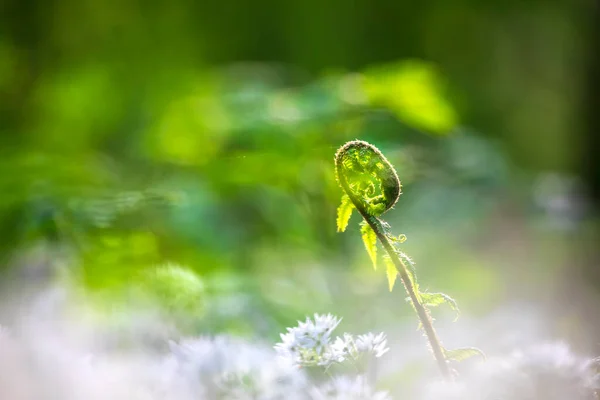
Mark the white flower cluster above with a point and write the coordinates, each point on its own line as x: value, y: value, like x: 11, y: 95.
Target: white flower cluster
x: 345, y: 388
x: 46, y: 357
x: 225, y: 368
x: 310, y: 343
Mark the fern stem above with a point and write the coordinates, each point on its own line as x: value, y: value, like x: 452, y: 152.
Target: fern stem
x: 422, y: 312
x: 392, y: 189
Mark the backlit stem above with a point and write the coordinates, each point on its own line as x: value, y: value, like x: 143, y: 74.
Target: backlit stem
x: 376, y: 224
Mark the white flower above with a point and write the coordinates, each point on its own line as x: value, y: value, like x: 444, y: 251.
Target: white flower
x: 309, y: 341
x: 344, y: 347
x: 348, y: 346
x: 370, y: 343
x: 545, y: 371
x: 225, y: 368
x: 339, y: 350
x: 345, y: 388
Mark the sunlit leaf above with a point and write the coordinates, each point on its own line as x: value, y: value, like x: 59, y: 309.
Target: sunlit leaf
x: 436, y: 299
x: 414, y: 91
x: 370, y: 240
x: 344, y: 212
x: 390, y: 270
x: 463, y: 353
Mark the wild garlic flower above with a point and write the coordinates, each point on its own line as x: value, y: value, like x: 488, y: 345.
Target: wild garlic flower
x: 344, y: 347
x: 348, y: 346
x: 346, y: 388
x: 309, y: 342
x: 374, y: 344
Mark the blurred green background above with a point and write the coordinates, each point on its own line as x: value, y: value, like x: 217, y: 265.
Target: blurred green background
x: 181, y: 153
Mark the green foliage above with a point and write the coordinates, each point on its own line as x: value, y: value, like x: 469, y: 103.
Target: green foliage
x: 248, y: 145
x: 370, y: 240
x: 344, y: 212
x: 463, y: 353
x: 436, y: 299
x: 243, y: 151
x: 390, y: 270
x: 415, y: 92
x: 177, y: 289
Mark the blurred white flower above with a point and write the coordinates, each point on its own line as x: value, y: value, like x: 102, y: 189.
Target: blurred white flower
x: 346, y: 388
x: 224, y: 368
x: 544, y: 372
x: 370, y: 343
x: 344, y: 347
x: 347, y: 346
x: 3, y: 332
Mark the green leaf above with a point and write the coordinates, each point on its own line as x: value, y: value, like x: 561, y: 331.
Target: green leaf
x: 463, y: 353
x: 390, y: 270
x: 436, y: 299
x: 344, y: 212
x: 414, y: 91
x: 370, y: 240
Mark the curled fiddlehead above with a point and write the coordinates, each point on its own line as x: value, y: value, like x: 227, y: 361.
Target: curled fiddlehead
x: 371, y: 186
x: 367, y: 177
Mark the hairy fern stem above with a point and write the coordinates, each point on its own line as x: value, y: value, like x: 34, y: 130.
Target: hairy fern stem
x: 422, y: 312
x: 374, y: 189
